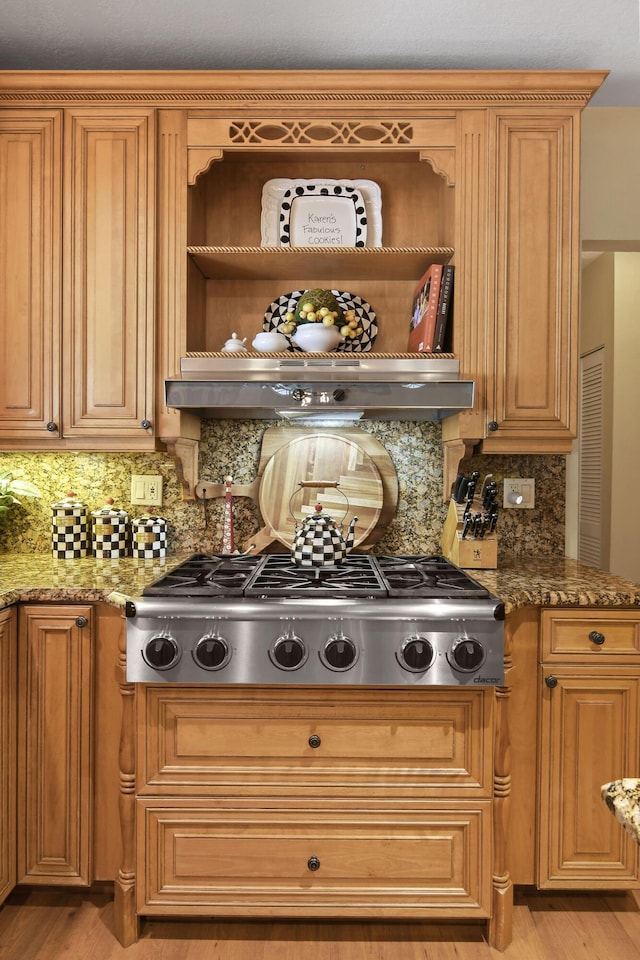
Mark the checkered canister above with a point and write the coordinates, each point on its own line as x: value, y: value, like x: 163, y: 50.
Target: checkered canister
x: 148, y: 537
x: 110, y: 532
x: 70, y: 537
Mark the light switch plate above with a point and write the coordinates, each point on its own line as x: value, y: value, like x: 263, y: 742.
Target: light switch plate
x: 146, y: 490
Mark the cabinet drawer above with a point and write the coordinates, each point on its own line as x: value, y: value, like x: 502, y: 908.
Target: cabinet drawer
x: 208, y: 741
x: 611, y: 636
x: 317, y: 860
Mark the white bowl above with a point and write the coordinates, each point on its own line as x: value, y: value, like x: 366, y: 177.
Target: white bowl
x: 270, y: 342
x: 316, y: 337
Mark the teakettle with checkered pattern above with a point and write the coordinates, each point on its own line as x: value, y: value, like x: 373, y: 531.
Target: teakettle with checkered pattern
x: 318, y: 542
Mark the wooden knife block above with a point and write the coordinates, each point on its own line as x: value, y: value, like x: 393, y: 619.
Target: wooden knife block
x: 481, y: 554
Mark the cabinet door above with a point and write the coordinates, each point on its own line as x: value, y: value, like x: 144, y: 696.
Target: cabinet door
x: 532, y: 357
x: 55, y: 737
x: 30, y: 292
x: 8, y: 660
x: 588, y: 736
x: 109, y: 253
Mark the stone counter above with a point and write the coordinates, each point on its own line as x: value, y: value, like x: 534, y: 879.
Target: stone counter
x: 544, y: 581
x: 623, y: 799
x: 40, y: 578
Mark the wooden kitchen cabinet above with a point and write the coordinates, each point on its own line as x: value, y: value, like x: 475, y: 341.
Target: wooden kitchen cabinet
x: 77, y: 241
x: 589, y: 734
x: 8, y: 750
x: 479, y: 168
x: 30, y: 275
x: 55, y: 733
x: 69, y: 736
x: 314, y: 802
x: 531, y: 403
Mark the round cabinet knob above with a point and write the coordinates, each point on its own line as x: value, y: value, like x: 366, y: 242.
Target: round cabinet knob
x: 551, y: 682
x: 313, y: 863
x: 161, y: 652
x: 145, y: 424
x: 339, y: 653
x: 288, y: 652
x: 314, y: 741
x: 596, y: 637
x: 466, y: 654
x: 81, y: 622
x: 416, y: 654
x: 212, y: 652
x: 52, y: 427
x: 492, y: 426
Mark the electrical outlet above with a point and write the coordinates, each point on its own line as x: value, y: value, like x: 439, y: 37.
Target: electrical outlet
x: 146, y: 490
x: 519, y: 494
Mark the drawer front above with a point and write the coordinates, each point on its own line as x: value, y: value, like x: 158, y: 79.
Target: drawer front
x: 611, y: 636
x: 209, y: 742
x: 327, y: 861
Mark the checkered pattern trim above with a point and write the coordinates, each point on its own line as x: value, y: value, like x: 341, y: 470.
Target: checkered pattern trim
x: 149, y: 539
x: 319, y: 550
x: 70, y: 538
x: 110, y: 538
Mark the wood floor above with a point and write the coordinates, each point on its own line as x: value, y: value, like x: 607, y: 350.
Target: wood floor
x: 61, y: 925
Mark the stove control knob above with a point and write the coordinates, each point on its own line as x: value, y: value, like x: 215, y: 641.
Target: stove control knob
x: 161, y: 652
x: 288, y: 652
x: 416, y: 654
x: 212, y: 652
x: 466, y: 654
x: 339, y: 653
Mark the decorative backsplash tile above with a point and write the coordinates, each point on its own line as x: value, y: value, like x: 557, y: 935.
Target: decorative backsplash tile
x: 233, y: 448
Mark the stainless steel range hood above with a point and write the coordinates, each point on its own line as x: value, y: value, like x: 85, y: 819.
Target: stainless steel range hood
x: 311, y: 387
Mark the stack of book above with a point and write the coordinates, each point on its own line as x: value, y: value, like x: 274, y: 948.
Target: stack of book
x: 432, y: 301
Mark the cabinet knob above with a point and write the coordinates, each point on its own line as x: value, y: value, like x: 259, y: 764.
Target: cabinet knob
x: 492, y: 426
x: 313, y: 863
x: 52, y: 427
x: 81, y: 622
x: 551, y: 682
x: 314, y: 740
x: 596, y: 637
x: 145, y: 424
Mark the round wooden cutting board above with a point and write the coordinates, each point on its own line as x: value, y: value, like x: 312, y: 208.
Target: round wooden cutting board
x: 322, y: 456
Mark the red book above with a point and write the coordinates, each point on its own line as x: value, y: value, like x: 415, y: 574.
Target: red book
x: 444, y: 308
x: 424, y: 312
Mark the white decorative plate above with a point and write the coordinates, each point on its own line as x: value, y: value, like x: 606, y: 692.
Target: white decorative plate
x: 275, y: 316
x: 320, y: 216
x: 273, y: 200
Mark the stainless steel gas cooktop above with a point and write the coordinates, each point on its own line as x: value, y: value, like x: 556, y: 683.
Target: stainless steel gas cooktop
x: 385, y: 620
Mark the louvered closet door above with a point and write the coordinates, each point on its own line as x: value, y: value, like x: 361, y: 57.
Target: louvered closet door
x: 590, y: 503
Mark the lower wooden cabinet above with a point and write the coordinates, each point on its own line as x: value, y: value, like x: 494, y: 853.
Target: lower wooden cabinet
x: 55, y: 744
x: 8, y: 696
x: 589, y: 734
x: 325, y: 802
x: 322, y: 860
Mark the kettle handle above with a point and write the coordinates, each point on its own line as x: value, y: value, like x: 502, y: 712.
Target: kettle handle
x: 318, y: 484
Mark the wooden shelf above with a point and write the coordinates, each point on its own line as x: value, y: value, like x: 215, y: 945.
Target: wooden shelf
x: 341, y: 263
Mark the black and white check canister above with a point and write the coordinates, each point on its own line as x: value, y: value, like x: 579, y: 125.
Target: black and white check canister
x: 110, y: 532
x: 148, y: 537
x: 70, y: 537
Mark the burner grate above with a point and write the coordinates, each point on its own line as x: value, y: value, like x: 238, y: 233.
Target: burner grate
x: 280, y: 577
x: 428, y: 577
x: 206, y: 575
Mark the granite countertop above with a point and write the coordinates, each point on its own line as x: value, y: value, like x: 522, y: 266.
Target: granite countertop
x: 545, y: 581
x: 623, y: 799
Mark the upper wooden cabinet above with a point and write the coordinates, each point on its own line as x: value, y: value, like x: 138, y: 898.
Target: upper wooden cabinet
x: 480, y: 168
x: 76, y: 241
x: 30, y: 273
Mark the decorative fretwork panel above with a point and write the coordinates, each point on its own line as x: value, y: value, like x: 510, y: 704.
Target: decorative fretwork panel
x: 321, y: 132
